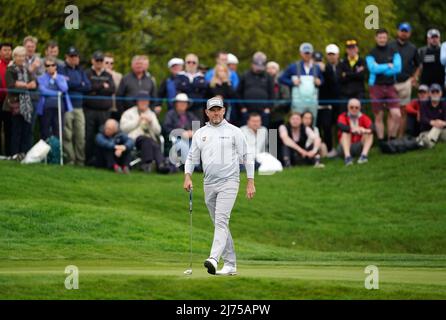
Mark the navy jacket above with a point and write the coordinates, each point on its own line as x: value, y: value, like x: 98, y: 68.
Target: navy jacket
x: 78, y: 83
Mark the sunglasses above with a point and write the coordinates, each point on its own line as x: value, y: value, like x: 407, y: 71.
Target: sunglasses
x: 435, y: 91
x: 191, y: 62
x: 354, y: 107
x: 99, y: 60
x: 50, y: 65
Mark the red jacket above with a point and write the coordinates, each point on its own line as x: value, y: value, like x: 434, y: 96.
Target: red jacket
x: 413, y: 107
x: 3, y: 67
x: 344, y: 125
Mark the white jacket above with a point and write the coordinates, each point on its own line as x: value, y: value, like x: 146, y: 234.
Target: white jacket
x: 131, y: 124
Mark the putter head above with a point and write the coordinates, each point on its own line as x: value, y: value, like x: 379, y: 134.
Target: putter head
x: 188, y: 272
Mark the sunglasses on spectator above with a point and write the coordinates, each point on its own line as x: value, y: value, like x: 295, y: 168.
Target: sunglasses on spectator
x: 354, y: 107
x: 435, y: 91
x: 99, y: 60
x: 49, y: 65
x: 191, y: 62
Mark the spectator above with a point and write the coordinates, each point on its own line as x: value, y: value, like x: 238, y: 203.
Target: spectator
x: 256, y: 84
x: 192, y: 83
x: 432, y: 119
x: 5, y: 115
x: 413, y: 111
x: 384, y: 63
x: 256, y: 136
x: 141, y: 125
x: 409, y: 71
x: 138, y: 82
x: 180, y: 118
x: 222, y: 58
x: 220, y: 85
x: 98, y: 103
x: 297, y: 146
x: 51, y: 50
x: 114, y: 148
x: 355, y: 133
x: 282, y: 93
x: 33, y: 64
x: 432, y: 70
x: 109, y: 62
x: 443, y: 59
x: 314, y: 139
x: 18, y: 101
x: 304, y: 78
x: 168, y: 88
x: 329, y: 94
x: 50, y: 84
x: 232, y: 62
x: 74, y: 122
x: 352, y: 74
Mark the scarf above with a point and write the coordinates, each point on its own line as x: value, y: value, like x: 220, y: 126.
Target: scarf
x: 26, y: 107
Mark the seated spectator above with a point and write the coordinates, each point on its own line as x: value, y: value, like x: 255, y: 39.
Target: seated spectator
x: 256, y: 84
x: 256, y: 136
x: 114, y: 148
x: 180, y: 118
x: 282, y: 93
x: 413, y: 111
x: 355, y: 133
x: 50, y: 84
x: 192, y: 83
x: 19, y: 103
x: 168, y: 88
x: 296, y: 139
x: 314, y: 138
x: 432, y: 119
x: 141, y: 124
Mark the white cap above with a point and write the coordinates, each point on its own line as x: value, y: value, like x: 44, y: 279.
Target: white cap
x: 182, y: 97
x: 214, y: 102
x: 232, y: 59
x: 332, y: 48
x: 175, y: 61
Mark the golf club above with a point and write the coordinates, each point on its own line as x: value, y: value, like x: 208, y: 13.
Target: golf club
x: 189, y: 271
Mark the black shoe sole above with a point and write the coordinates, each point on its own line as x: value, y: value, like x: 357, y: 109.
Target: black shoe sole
x: 210, y: 267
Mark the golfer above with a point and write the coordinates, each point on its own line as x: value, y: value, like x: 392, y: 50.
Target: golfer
x: 222, y: 148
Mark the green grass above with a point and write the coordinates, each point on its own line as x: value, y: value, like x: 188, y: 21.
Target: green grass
x: 308, y: 234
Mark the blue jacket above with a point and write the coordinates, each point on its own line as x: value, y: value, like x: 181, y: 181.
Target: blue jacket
x: 383, y: 69
x: 291, y: 71
x: 119, y: 138
x: 233, y: 76
x: 78, y: 83
x: 61, y: 83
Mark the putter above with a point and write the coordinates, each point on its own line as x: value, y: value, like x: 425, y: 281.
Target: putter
x: 189, y: 271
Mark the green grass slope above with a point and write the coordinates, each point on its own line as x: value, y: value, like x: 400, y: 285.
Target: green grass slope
x: 308, y: 233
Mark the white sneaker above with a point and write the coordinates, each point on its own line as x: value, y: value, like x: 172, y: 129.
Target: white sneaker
x: 211, y: 265
x: 227, y: 271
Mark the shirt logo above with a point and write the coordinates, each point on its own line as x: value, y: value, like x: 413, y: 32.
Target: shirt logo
x: 203, y: 138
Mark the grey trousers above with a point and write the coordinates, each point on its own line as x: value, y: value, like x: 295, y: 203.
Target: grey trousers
x: 220, y: 198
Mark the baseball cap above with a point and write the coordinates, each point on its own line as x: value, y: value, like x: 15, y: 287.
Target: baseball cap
x: 259, y: 60
x: 306, y: 47
x: 142, y: 95
x: 405, y: 26
x: 435, y: 87
x: 318, y: 56
x: 332, y: 48
x: 175, y: 61
x: 232, y: 59
x: 423, y: 87
x: 214, y: 102
x: 182, y: 97
x: 432, y: 33
x: 351, y: 43
x: 98, y: 55
x: 72, y: 51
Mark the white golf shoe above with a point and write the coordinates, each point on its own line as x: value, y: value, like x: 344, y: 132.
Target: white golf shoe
x: 211, y: 265
x: 227, y: 271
